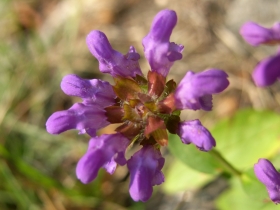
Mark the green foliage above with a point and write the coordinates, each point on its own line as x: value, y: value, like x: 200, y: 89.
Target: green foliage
x: 191, y: 156
x: 238, y: 141
x: 180, y: 177
x: 236, y: 199
x: 241, y: 140
x: 248, y: 136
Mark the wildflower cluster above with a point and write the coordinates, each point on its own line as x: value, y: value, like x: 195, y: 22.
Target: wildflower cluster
x: 145, y: 108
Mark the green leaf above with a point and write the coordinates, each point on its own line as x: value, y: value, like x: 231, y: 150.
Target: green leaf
x: 180, y: 177
x: 193, y: 157
x: 246, y: 137
x: 236, y: 198
x: 252, y: 186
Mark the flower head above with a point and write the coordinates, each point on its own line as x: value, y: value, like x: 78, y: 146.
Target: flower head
x: 270, y: 177
x: 268, y: 70
x: 145, y: 107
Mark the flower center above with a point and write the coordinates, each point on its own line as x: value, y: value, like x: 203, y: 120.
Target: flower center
x: 146, y: 107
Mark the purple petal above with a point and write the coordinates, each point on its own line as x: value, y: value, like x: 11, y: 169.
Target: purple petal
x: 269, y: 176
x: 175, y: 52
x: 93, y: 91
x: 120, y: 158
x: 158, y: 50
x: 194, y: 132
x: 255, y: 34
x: 111, y: 61
x: 267, y: 71
x: 158, y: 178
x: 110, y: 166
x: 132, y: 54
x: 79, y: 116
x: 101, y: 153
x: 195, y: 89
x: 205, y: 102
x: 144, y: 167
x: 91, y: 132
x: 89, y: 165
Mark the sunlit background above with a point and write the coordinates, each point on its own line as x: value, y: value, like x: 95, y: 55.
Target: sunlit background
x: 41, y: 41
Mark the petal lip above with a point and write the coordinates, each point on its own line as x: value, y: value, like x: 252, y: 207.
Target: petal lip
x: 89, y: 165
x: 270, y: 177
x: 267, y: 71
x: 194, y: 132
x: 195, y: 89
x: 145, y: 172
x: 159, y: 52
x: 110, y: 60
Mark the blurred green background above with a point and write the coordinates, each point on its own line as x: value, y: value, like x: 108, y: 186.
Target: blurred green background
x: 43, y: 40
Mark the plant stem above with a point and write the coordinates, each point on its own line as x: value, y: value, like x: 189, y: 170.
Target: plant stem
x: 230, y: 168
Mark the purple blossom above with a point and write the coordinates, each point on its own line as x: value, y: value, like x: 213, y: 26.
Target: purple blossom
x: 145, y: 171
x: 160, y: 53
x: 94, y: 91
x: 268, y: 70
x: 270, y: 177
x: 145, y: 108
x: 103, y: 151
x: 88, y: 116
x: 111, y: 61
x: 255, y: 34
x: 195, y: 89
x: 79, y: 116
x: 194, y: 132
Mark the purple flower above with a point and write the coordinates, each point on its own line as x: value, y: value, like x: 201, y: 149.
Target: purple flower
x: 79, y: 116
x: 194, y: 132
x: 144, y: 108
x: 94, y: 91
x: 103, y: 151
x: 160, y: 53
x: 111, y: 61
x: 195, y: 89
x: 145, y: 171
x: 88, y: 116
x: 268, y: 70
x: 270, y: 177
x: 255, y: 34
